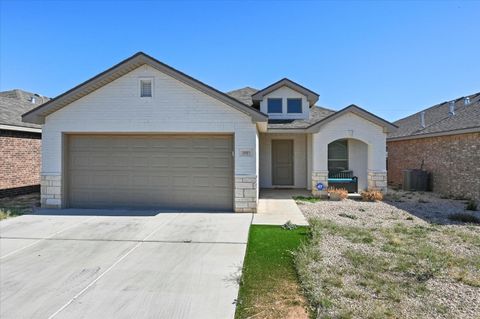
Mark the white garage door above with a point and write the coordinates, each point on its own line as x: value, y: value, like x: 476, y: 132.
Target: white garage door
x: 150, y: 171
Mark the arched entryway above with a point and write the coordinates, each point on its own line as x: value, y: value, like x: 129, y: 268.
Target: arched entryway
x: 347, y: 158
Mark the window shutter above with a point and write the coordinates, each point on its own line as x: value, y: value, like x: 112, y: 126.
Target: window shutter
x: 145, y: 88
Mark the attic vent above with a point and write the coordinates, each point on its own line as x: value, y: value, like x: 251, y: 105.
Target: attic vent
x: 466, y: 101
x: 422, y: 118
x: 32, y: 99
x: 145, y: 88
x: 451, y: 105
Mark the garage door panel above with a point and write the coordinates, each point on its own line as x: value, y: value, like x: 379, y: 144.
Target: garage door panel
x: 160, y: 160
x: 156, y: 171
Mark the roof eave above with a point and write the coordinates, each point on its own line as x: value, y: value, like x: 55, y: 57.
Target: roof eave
x: 388, y: 126
x: 20, y: 128
x: 435, y: 134
x: 312, y: 96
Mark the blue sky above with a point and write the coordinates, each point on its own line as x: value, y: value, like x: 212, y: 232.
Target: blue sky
x: 392, y: 58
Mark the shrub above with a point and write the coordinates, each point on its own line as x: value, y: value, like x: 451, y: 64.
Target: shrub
x: 471, y: 205
x: 464, y: 218
x: 372, y: 196
x: 337, y: 193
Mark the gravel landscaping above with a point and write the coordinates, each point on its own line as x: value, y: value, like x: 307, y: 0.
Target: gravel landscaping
x: 405, y: 257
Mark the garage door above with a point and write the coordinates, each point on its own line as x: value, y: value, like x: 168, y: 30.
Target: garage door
x: 152, y: 171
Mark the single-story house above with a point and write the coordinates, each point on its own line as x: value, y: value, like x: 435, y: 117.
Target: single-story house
x: 20, y: 144
x: 143, y: 134
x: 443, y: 140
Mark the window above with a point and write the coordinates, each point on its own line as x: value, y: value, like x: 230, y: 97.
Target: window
x: 145, y: 88
x: 338, y: 156
x: 294, y: 105
x: 274, y: 105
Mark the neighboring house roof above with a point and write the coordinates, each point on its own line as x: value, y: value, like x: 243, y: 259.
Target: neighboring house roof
x: 13, y: 104
x: 312, y: 97
x: 318, y: 114
x: 438, y: 120
x: 38, y: 114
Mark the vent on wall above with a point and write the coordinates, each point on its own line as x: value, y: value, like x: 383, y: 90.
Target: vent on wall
x: 145, y: 88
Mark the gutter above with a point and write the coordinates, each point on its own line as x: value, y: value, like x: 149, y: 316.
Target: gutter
x: 20, y: 128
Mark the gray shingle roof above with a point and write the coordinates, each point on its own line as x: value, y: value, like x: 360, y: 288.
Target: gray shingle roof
x: 438, y: 120
x: 243, y: 95
x: 317, y: 113
x: 14, y: 103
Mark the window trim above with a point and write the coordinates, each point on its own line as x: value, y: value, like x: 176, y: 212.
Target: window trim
x: 281, y: 105
x: 142, y: 79
x: 301, y: 105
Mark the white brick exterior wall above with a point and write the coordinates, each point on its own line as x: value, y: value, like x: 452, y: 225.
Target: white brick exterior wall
x: 174, y: 108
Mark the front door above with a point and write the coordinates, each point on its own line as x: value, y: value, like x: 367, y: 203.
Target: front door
x: 282, y: 162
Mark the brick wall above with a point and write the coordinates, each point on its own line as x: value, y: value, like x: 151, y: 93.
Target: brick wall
x: 19, y: 162
x: 453, y: 160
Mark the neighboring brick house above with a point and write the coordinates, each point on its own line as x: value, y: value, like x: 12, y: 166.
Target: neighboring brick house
x: 445, y: 138
x: 20, y: 144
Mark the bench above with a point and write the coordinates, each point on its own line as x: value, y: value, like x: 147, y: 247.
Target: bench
x: 343, y: 179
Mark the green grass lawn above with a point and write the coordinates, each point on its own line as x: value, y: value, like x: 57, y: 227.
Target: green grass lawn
x: 309, y: 199
x: 269, y: 287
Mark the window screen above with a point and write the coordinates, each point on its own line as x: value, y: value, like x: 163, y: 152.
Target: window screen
x: 294, y: 105
x: 274, y: 105
x: 338, y: 155
x: 145, y: 88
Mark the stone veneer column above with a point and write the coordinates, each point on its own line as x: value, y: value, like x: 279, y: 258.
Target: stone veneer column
x: 246, y: 194
x: 51, y: 191
x: 377, y: 180
x: 319, y: 177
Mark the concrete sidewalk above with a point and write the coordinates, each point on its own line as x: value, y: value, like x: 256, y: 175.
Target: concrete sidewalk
x: 276, y: 207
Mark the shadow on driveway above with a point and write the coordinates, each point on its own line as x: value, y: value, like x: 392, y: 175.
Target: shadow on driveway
x: 113, y: 212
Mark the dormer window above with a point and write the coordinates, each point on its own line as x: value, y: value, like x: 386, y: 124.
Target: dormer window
x: 274, y: 106
x: 146, y: 88
x: 294, y: 105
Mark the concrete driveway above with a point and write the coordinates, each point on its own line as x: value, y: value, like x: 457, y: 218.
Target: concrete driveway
x: 121, y: 264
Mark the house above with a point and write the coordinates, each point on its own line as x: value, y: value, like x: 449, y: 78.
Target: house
x: 143, y: 134
x: 444, y: 140
x: 20, y: 144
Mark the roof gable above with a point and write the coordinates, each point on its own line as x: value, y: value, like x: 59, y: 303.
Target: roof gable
x: 312, y: 97
x: 38, y: 114
x: 388, y: 127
